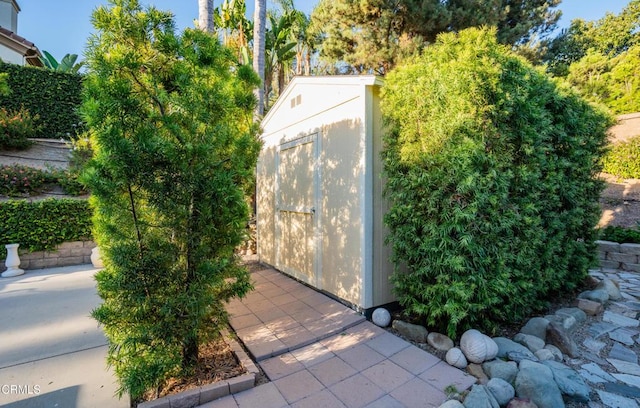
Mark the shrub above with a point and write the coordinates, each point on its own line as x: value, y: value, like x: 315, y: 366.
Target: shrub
x: 620, y: 234
x: 42, y: 225
x: 491, y: 179
x: 17, y: 180
x: 16, y: 127
x: 52, y: 96
x: 623, y: 159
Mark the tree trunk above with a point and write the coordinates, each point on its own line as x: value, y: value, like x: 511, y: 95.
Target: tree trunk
x: 205, y: 15
x: 259, y: 27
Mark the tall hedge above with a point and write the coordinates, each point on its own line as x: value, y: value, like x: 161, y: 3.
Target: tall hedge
x: 491, y: 172
x: 54, y: 96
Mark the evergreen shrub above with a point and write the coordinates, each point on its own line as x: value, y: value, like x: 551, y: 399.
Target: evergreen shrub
x: 623, y: 159
x: 492, y: 182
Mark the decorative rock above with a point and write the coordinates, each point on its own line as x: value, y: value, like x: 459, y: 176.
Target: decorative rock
x: 619, y: 319
x: 535, y: 382
x: 593, y: 345
x: 477, y: 371
x: 625, y: 367
x: 575, y: 312
x: 557, y: 336
x: 568, y: 323
x: 456, y: 358
x: 521, y: 403
x: 536, y: 326
x: 632, y: 380
x: 501, y: 369
x: 413, y: 332
x: 619, y: 352
x: 96, y: 259
x: 595, y: 369
x: 611, y: 287
x: 622, y: 389
x: 439, y: 341
x: 501, y: 390
x: 506, y: 346
x: 452, y: 404
x: 544, y: 354
x: 623, y: 335
x: 613, y: 400
x: 557, y: 354
x: 381, y: 317
x: 478, y: 347
x: 480, y: 397
x: 599, y: 295
x: 590, y: 307
x: 533, y: 343
x: 569, y: 381
x: 518, y: 356
x: 599, y: 328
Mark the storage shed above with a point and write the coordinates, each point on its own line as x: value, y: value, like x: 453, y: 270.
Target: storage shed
x: 319, y: 188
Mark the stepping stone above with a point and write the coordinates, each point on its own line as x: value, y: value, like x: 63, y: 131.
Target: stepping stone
x: 591, y: 378
x: 595, y: 369
x: 619, y: 352
x: 619, y: 319
x: 625, y: 367
x: 622, y: 389
x: 623, y: 335
x: 600, y: 328
x: 616, y: 401
x: 632, y: 380
x: 593, y: 345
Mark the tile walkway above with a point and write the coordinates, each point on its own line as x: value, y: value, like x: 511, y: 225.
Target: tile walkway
x: 319, y: 353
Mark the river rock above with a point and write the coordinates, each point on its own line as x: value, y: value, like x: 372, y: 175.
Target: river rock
x: 611, y: 287
x: 568, y: 323
x: 521, y: 403
x: 452, y: 404
x: 569, y: 381
x: 439, y: 341
x: 455, y: 357
x: 531, y: 342
x: 480, y: 397
x: 590, y: 307
x: 381, y: 317
x: 505, y: 370
x: 557, y: 354
x: 477, y: 371
x: 536, y: 326
x: 478, y: 347
x: 535, y: 382
x: 411, y: 331
x: 575, y: 312
x: 598, y: 295
x: 505, y: 346
x: 544, y: 354
x: 502, y: 391
x: 559, y: 337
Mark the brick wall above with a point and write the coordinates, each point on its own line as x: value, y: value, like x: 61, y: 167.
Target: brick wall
x: 613, y: 255
x: 67, y: 253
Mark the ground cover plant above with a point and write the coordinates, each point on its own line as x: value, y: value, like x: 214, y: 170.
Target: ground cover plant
x: 623, y: 159
x: 491, y: 172
x: 174, y: 142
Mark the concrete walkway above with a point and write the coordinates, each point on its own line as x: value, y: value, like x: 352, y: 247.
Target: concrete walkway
x: 52, y: 353
x: 319, y: 353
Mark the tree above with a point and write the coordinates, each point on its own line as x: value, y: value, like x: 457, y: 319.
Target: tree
x: 492, y: 179
x: 234, y: 27
x: 259, y: 42
x: 170, y: 117
x: 67, y: 64
x: 373, y: 35
x: 279, y: 51
x: 205, y: 15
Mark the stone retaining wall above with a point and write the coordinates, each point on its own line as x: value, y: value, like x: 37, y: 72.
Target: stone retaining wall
x: 65, y: 254
x: 613, y: 255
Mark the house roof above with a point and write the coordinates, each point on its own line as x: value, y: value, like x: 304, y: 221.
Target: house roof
x: 21, y: 45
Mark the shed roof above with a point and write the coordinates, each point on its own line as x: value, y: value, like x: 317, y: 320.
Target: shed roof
x: 20, y: 44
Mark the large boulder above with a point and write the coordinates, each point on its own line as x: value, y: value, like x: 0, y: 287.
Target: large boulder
x: 413, y: 332
x: 536, y: 326
x: 560, y: 338
x: 506, y: 346
x: 569, y: 381
x: 480, y: 397
x: 502, y: 391
x: 531, y: 342
x: 501, y: 369
x: 535, y: 382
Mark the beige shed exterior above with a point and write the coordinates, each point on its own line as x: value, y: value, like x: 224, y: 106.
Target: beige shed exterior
x: 319, y: 188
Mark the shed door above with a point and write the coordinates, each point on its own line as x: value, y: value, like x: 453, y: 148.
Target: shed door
x: 296, y: 206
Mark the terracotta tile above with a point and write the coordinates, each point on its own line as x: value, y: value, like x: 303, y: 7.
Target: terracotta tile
x: 417, y: 393
x: 386, y: 401
x: 266, y: 395
x: 267, y: 348
x: 245, y: 321
x: 415, y: 360
x: 442, y: 375
x: 237, y: 308
x: 361, y: 357
x: 387, y: 344
x: 282, y: 323
x: 312, y: 354
x: 387, y: 375
x: 332, y: 371
x: 298, y: 385
x: 296, y: 337
x: 356, y: 391
x: 260, y: 305
x: 322, y: 399
x: 316, y: 298
x: 281, y: 366
x: 270, y: 314
x: 283, y: 299
x: 296, y: 307
x: 306, y: 316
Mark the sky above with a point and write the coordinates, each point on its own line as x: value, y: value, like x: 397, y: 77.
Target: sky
x: 63, y: 26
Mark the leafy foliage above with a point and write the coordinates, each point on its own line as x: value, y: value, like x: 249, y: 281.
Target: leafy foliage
x: 623, y: 159
x: 621, y: 235
x: 42, y: 225
x: 22, y: 181
x: 374, y: 35
x: 491, y: 177
x: 175, y: 146
x: 52, y: 96
x: 67, y: 64
x: 16, y: 127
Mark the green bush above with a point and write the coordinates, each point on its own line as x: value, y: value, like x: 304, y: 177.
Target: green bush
x: 16, y: 127
x: 491, y: 177
x: 623, y: 159
x: 52, y: 96
x: 621, y: 235
x: 17, y: 180
x: 42, y: 225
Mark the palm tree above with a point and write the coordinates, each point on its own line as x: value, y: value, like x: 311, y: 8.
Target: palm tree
x: 205, y: 15
x: 259, y: 34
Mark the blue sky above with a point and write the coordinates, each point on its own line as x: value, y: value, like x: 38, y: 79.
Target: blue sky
x: 63, y: 26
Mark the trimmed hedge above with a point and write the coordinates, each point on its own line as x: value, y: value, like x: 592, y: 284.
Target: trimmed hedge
x: 621, y: 235
x: 53, y: 96
x: 42, y: 225
x: 623, y: 159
